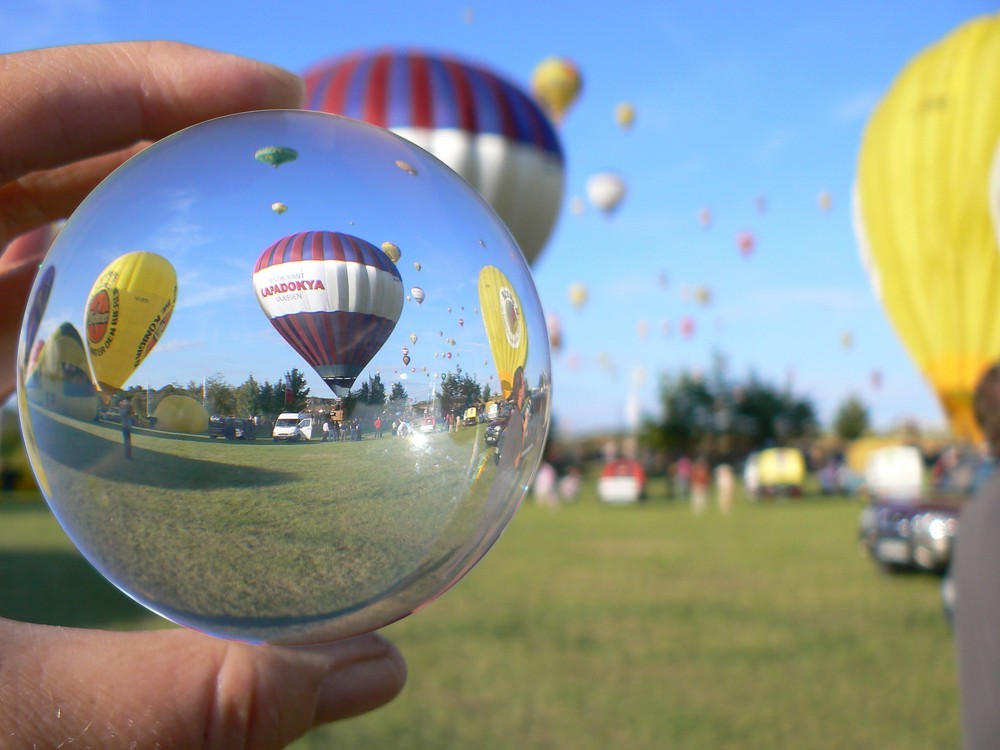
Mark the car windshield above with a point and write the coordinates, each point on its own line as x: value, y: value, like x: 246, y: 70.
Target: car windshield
x: 286, y: 423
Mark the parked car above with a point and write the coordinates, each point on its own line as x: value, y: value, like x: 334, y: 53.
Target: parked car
x: 918, y: 534
x: 223, y: 427
x: 494, y: 430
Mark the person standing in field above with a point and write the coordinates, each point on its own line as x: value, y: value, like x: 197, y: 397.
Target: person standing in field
x: 724, y: 484
x: 125, y: 415
x: 700, y: 479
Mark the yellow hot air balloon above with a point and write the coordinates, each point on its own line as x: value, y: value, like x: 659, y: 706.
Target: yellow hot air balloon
x: 279, y: 208
x: 625, y: 115
x: 578, y: 294
x: 392, y: 250
x: 922, y: 215
x: 503, y: 317
x: 127, y: 310
x: 556, y: 83
x: 177, y: 413
x: 63, y: 376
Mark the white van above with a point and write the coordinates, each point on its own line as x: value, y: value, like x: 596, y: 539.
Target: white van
x: 293, y: 426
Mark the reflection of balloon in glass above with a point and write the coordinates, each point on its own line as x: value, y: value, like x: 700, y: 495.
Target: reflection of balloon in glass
x: 392, y: 251
x: 127, y: 310
x: 418, y: 294
x: 504, y: 320
x: 276, y: 155
x: 922, y: 212
x: 556, y: 83
x: 238, y: 542
x: 62, y: 376
x: 625, y: 115
x: 333, y: 297
x: 578, y: 294
x: 480, y: 125
x: 177, y: 413
x: 279, y: 208
x: 606, y: 191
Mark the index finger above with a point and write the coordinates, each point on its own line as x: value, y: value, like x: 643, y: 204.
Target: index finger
x: 65, y: 104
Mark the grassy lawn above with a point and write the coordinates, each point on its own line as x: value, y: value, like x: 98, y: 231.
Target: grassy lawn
x: 643, y: 627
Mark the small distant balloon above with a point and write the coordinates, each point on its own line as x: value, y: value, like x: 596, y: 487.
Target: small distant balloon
x: 687, y: 327
x: 553, y: 323
x: 406, y: 359
x: 276, y: 155
x: 825, y: 201
x: 413, y: 338
x: 625, y: 115
x: 556, y: 83
x: 416, y: 266
x: 392, y: 250
x: 578, y: 295
x: 746, y: 242
x: 702, y: 295
x: 642, y: 329
x: 406, y: 167
x: 705, y: 217
x: 418, y: 294
x: 761, y: 204
x: 576, y: 205
x: 846, y: 340
x: 279, y: 208
x: 606, y: 191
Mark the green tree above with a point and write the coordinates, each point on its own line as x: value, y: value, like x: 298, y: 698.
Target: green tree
x: 220, y: 397
x: 248, y: 398
x: 398, y: 394
x: 458, y: 392
x: 296, y: 380
x: 851, y: 419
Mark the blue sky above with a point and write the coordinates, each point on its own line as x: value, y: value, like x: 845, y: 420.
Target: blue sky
x: 733, y: 101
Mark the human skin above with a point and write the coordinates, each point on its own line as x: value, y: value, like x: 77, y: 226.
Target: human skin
x: 70, y: 115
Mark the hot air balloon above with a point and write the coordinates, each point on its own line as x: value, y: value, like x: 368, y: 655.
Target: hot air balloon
x: 482, y: 126
x: 418, y: 294
x: 825, y: 201
x: 406, y: 359
x: 177, y: 413
x: 606, y: 190
x: 279, y: 208
x: 745, y: 241
x: 687, y: 327
x: 642, y: 328
x: 625, y: 115
x: 461, y: 322
x: 416, y: 266
x: 553, y: 323
x: 413, y: 338
x: 705, y: 217
x: 503, y: 317
x: 556, y: 83
x: 578, y: 294
x: 392, y: 250
x: 846, y: 340
x: 62, y: 375
x: 922, y: 207
x: 276, y: 155
x: 347, y: 299
x: 127, y: 311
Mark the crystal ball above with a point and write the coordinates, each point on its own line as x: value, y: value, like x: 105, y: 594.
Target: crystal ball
x: 284, y: 377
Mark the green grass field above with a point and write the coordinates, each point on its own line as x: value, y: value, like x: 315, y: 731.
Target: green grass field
x: 637, y: 627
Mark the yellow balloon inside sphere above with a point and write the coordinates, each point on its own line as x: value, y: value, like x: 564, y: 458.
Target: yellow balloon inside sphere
x: 177, y: 413
x: 127, y: 311
x: 922, y: 212
x: 61, y: 380
x: 503, y: 317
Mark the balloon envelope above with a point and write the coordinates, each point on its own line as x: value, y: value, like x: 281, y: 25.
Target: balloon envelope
x: 127, y: 311
x: 504, y: 321
x: 276, y: 155
x: 177, y: 413
x: 922, y: 212
x: 479, y: 124
x: 341, y: 307
x: 606, y: 191
x: 556, y: 83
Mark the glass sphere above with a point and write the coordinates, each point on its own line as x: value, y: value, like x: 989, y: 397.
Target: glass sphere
x: 284, y: 377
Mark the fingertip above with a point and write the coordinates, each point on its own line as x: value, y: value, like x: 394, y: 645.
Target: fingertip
x: 362, y: 685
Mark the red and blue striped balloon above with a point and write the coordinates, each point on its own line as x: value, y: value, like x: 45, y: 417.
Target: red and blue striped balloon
x: 482, y: 126
x: 333, y: 297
